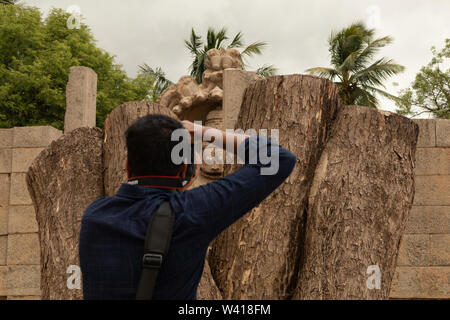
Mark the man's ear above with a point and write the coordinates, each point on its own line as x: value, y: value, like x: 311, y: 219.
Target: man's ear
x: 128, y: 169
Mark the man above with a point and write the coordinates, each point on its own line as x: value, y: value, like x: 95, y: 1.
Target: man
x: 114, y: 228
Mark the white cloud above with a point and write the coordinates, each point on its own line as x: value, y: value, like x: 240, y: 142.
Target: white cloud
x: 139, y: 31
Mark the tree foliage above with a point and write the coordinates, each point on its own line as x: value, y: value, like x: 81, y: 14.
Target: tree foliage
x: 9, y: 2
x: 216, y: 40
x: 359, y: 78
x: 35, y: 58
x: 430, y: 91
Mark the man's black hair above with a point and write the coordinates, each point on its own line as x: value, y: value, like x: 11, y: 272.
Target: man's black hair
x: 149, y: 145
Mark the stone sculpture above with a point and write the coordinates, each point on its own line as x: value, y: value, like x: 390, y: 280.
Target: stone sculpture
x: 192, y: 101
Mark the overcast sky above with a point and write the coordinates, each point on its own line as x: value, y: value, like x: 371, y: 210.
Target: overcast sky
x: 152, y: 31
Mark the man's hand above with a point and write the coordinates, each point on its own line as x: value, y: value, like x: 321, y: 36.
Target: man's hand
x: 235, y: 137
x: 190, y: 127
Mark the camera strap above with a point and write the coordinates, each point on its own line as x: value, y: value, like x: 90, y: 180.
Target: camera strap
x: 156, y: 247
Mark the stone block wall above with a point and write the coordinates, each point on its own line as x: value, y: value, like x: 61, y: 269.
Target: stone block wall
x: 19, y: 243
x: 423, y: 265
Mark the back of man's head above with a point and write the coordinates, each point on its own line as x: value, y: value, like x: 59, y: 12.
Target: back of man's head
x: 149, y: 146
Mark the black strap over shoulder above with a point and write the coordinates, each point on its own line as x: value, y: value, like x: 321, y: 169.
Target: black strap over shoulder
x: 156, y: 247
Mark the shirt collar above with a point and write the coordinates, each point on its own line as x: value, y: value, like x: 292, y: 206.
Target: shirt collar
x: 136, y: 191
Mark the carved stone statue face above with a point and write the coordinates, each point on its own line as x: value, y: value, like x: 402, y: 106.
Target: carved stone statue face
x: 220, y: 59
x: 192, y: 101
x: 214, y: 170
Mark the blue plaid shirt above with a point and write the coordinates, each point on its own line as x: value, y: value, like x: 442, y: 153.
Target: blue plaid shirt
x: 113, y: 229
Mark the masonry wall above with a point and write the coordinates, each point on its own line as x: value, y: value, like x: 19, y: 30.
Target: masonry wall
x: 19, y: 243
x: 423, y: 265
x: 424, y: 259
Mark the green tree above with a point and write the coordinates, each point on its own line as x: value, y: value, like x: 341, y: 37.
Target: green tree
x: 35, y: 58
x: 216, y: 40
x: 430, y: 91
x: 359, y: 79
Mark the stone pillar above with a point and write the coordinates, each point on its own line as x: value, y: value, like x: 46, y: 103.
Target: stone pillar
x: 235, y: 81
x: 81, y: 95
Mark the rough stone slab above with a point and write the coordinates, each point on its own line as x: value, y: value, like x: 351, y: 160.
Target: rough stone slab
x: 3, y: 273
x: 421, y: 283
x: 432, y: 161
x: 427, y: 133
x: 5, y: 160
x: 6, y: 138
x: 3, y: 246
x: 23, y: 157
x: 24, y: 298
x: 414, y: 250
x: 19, y: 192
x: 81, y: 95
x: 421, y: 250
x: 3, y: 221
x: 23, y: 249
x: 443, y: 132
x: 63, y: 180
x: 440, y: 249
x: 23, y: 281
x: 31, y: 137
x: 428, y: 219
x: 22, y: 219
x: 432, y: 191
x: 235, y: 81
x: 4, y: 190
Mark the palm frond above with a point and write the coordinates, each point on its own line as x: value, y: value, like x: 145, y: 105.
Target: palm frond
x: 213, y: 39
x: 199, y: 66
x: 376, y: 73
x: 370, y: 51
x: 349, y: 63
x: 346, y: 41
x: 237, y: 41
x: 194, y: 42
x: 160, y: 83
x: 383, y: 93
x: 266, y: 71
x: 220, y: 37
x: 328, y: 73
x: 362, y: 97
x: 254, y: 48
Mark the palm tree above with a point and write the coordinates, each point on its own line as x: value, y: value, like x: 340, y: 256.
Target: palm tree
x: 352, y: 50
x: 161, y: 82
x: 215, y: 40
